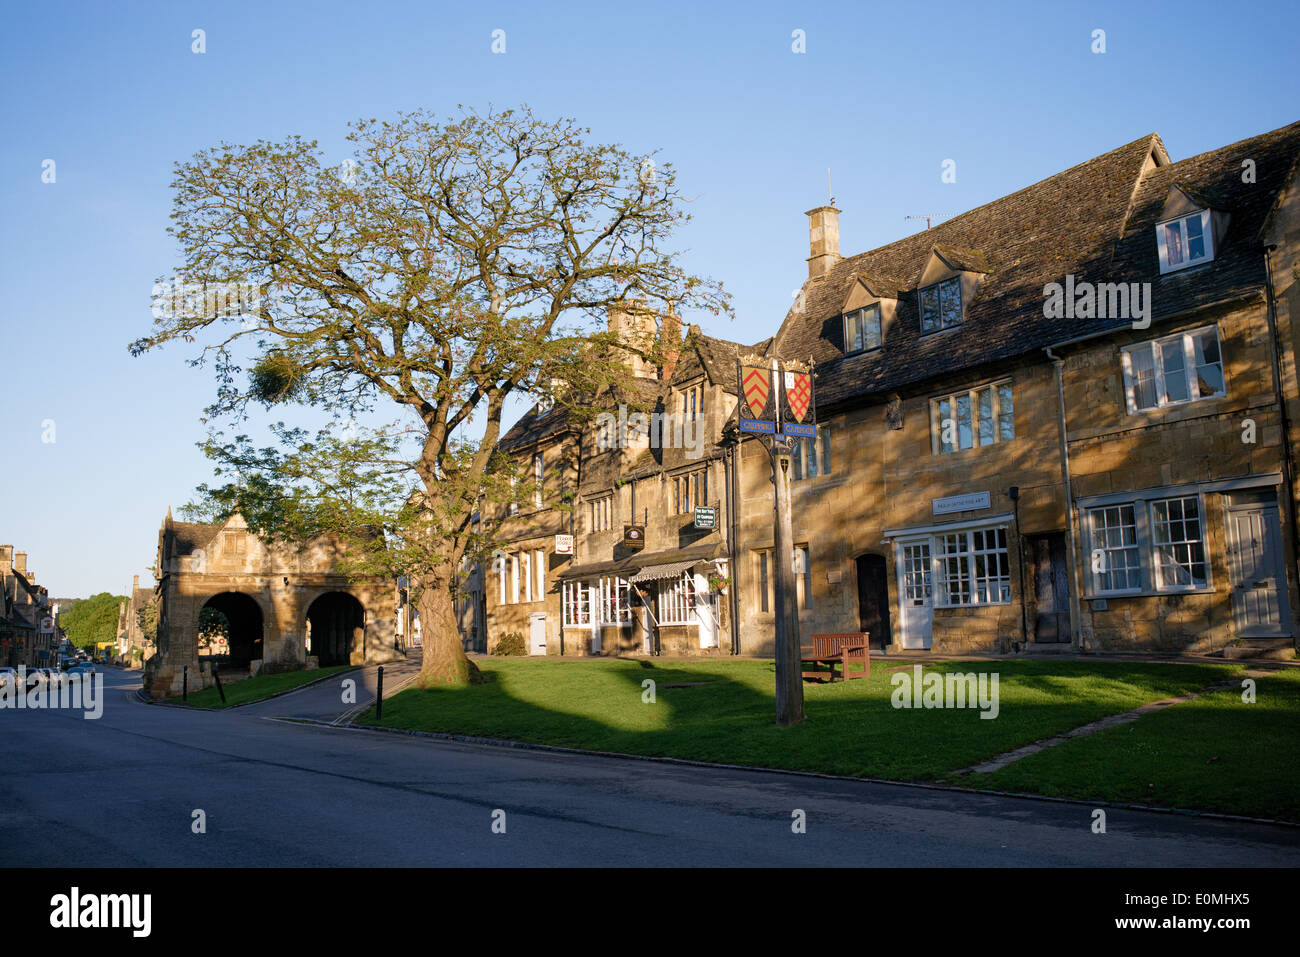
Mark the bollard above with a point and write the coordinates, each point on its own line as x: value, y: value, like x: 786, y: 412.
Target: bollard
x: 216, y: 676
x: 185, y: 684
x: 379, y: 695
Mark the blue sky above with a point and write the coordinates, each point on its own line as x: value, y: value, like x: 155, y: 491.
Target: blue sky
x: 113, y: 93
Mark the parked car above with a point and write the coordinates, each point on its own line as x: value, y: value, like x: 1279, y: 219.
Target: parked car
x: 38, y: 677
x: 8, y: 677
x: 79, y: 671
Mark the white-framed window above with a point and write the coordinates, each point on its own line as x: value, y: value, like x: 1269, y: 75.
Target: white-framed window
x: 862, y: 329
x: 974, y: 567
x: 811, y: 456
x: 501, y: 579
x: 615, y: 600
x: 539, y: 560
x: 602, y: 510
x: 941, y: 305
x: 514, y: 579
x: 577, y: 604
x: 514, y: 499
x: 980, y: 416
x: 689, y: 490
x: 1148, y: 545
x: 1116, y: 563
x: 677, y: 600
x: 1184, y: 367
x: 539, y: 479
x: 1185, y: 241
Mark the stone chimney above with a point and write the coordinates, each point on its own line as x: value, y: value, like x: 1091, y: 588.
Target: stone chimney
x: 670, y: 329
x: 135, y: 583
x: 6, y: 558
x: 823, y: 239
x: 20, y: 563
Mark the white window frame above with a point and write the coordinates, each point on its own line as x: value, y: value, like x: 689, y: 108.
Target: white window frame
x: 802, y: 576
x: 967, y: 556
x: 1097, y: 573
x: 1162, y: 240
x: 539, y: 556
x: 514, y: 578
x: 1151, y: 575
x: 677, y: 600
x: 857, y: 319
x: 539, y: 478
x: 976, y: 417
x: 576, y: 599
x: 1156, y: 348
x: 612, y: 589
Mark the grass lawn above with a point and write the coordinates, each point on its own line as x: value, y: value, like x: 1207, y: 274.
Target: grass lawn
x: 852, y: 728
x: 1213, y: 754
x: 255, y: 689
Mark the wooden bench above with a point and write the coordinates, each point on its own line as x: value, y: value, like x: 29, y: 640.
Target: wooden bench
x: 843, y: 649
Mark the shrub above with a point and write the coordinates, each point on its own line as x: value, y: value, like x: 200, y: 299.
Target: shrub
x: 510, y: 644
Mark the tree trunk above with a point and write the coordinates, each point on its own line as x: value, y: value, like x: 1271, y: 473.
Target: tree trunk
x: 444, y: 656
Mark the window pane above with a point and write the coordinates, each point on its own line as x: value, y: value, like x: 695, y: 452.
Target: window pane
x: 871, y: 328
x: 826, y: 452
x: 1195, y: 240
x: 929, y: 309
x: 1209, y: 366
x: 1006, y: 413
x: 796, y: 462
x: 853, y: 331
x: 963, y: 421
x: 950, y: 303
x: 1174, y: 243
x: 1144, y: 377
x: 986, y: 415
x: 1175, y: 372
x: 1179, y: 549
x: 947, y: 428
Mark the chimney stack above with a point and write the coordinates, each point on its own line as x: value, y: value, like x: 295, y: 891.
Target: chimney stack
x: 634, y: 325
x: 20, y: 562
x: 670, y: 328
x: 823, y: 239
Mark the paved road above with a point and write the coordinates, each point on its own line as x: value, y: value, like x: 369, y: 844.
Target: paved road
x: 279, y: 793
x: 327, y: 700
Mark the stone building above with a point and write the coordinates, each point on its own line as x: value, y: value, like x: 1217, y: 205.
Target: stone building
x: 133, y: 647
x: 604, y: 552
x: 287, y: 607
x: 29, y: 631
x: 1062, y: 420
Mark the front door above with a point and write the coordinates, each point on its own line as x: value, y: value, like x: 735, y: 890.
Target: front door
x: 1259, y: 602
x: 873, y: 599
x: 1051, y: 588
x: 915, y: 594
x: 537, y: 633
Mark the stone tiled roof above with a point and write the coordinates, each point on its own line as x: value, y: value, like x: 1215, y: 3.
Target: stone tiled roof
x: 1094, y: 220
x: 187, y: 536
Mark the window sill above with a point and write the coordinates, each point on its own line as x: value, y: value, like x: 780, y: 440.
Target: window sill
x: 1108, y: 595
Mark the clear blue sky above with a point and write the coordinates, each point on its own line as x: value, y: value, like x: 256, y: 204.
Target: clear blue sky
x: 884, y: 94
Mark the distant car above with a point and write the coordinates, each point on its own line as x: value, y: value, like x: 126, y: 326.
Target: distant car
x: 8, y: 678
x: 79, y: 671
x: 37, y: 677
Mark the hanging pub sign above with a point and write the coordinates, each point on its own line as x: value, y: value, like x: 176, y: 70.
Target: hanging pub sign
x: 564, y: 544
x: 757, y: 404
x: 634, y: 536
x: 706, y: 516
x: 797, y: 406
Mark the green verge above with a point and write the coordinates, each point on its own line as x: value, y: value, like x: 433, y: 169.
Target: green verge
x: 852, y: 727
x: 255, y: 689
x: 1216, y: 753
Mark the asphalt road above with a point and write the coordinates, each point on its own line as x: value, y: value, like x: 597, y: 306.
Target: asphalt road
x: 280, y: 793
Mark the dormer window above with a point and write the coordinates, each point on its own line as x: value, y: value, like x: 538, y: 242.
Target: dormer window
x: 862, y: 329
x: 941, y: 305
x: 1185, y: 241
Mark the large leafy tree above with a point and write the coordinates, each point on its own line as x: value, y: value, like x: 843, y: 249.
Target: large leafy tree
x: 415, y: 287
x: 93, y: 621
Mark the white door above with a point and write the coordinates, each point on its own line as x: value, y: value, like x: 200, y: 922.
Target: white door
x: 706, y: 610
x: 915, y: 592
x: 537, y: 633
x: 1259, y: 602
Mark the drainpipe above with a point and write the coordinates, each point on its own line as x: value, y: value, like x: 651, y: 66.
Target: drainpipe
x: 1076, y: 626
x: 733, y: 592
x: 1288, y: 455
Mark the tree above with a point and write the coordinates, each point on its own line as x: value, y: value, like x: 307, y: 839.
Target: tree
x: 444, y: 268
x: 93, y: 621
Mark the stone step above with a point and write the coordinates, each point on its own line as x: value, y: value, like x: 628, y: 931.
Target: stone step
x: 1274, y: 649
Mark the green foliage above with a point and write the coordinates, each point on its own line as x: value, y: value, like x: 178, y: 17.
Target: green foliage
x: 93, y: 621
x: 511, y: 643
x: 147, y: 617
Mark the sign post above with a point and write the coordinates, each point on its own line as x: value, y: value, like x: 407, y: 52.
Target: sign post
x: 778, y: 398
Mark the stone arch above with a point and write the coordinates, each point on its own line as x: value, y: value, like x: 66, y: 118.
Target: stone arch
x: 335, y: 624
x: 247, y: 621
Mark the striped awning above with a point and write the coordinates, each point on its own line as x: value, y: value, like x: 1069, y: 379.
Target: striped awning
x: 660, y: 572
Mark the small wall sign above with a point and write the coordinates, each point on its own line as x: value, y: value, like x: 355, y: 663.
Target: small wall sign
x: 960, y: 503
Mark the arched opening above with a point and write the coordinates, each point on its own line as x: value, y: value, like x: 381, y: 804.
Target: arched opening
x: 236, y: 620
x: 335, y: 628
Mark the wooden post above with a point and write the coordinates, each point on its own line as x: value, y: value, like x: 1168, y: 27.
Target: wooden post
x: 789, y: 677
